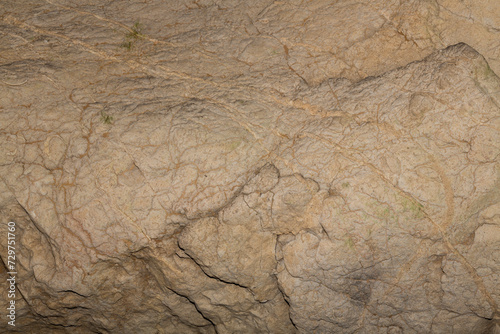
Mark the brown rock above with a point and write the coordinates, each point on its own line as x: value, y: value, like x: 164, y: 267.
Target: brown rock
x: 251, y: 167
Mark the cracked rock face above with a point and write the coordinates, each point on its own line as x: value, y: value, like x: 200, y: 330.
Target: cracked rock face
x: 251, y: 167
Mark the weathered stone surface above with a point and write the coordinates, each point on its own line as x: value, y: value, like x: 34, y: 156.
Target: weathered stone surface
x: 251, y: 167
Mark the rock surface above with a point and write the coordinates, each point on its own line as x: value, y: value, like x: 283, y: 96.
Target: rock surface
x: 251, y: 167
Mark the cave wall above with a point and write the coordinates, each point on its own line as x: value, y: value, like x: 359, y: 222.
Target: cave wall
x: 251, y: 167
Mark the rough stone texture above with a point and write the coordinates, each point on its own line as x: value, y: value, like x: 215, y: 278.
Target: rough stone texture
x: 251, y: 167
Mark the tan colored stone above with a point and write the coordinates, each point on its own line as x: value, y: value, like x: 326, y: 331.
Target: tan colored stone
x: 251, y: 167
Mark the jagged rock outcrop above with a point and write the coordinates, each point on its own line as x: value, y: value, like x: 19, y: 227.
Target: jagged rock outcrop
x: 223, y: 167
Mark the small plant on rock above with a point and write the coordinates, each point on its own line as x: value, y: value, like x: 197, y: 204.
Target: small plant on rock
x: 133, y: 35
x: 105, y: 118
